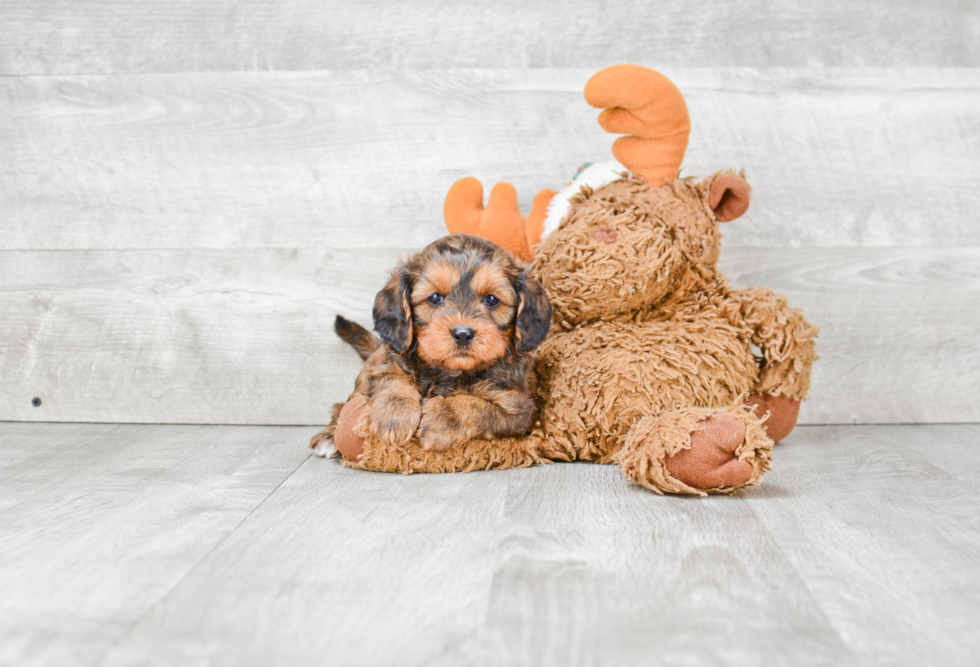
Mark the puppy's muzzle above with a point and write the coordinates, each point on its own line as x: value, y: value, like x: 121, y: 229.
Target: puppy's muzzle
x: 462, y: 335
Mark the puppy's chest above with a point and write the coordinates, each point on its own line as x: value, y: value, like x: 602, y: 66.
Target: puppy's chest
x: 441, y: 384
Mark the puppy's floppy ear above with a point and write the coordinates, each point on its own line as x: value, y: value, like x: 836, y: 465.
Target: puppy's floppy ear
x: 393, y: 312
x: 533, y: 313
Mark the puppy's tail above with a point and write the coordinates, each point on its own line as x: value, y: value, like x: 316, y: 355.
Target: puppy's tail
x: 356, y: 336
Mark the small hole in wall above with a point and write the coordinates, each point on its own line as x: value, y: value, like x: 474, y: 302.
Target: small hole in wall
x: 36, y: 402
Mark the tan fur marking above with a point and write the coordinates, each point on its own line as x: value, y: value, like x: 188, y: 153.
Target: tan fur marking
x: 438, y: 278
x: 437, y: 346
x: 489, y: 279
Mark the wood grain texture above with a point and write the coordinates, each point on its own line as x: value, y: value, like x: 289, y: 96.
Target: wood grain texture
x: 561, y: 565
x: 99, y: 523
x: 354, y: 159
x: 369, y: 569
x: 882, y: 523
x: 897, y: 343
x: 592, y: 572
x: 113, y: 36
x: 859, y: 548
x: 245, y: 336
x: 182, y: 336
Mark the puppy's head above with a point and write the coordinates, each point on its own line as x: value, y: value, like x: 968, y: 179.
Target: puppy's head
x: 463, y: 302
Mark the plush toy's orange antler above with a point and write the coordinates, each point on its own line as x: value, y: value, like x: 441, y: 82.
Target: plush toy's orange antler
x: 501, y: 221
x: 649, y: 107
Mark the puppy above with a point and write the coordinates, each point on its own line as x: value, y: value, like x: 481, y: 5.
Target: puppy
x: 457, y: 323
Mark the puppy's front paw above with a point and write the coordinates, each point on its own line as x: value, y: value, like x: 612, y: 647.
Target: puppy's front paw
x: 394, y: 421
x: 322, y: 444
x: 439, y: 428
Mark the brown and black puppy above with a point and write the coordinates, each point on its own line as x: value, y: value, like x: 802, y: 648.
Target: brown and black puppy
x: 457, y: 322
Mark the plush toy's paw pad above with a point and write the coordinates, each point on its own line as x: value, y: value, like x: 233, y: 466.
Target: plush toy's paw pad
x: 710, y: 461
x: 345, y: 437
x: 779, y: 414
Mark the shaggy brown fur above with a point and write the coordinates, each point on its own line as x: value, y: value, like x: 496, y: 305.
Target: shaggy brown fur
x: 649, y: 341
x: 457, y: 322
x: 660, y: 328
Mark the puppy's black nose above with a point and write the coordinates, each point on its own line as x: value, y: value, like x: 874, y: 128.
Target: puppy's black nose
x: 463, y: 335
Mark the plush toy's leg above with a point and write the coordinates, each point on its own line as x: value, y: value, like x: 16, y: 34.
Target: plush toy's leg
x: 786, y: 341
x: 778, y: 414
x: 696, y: 451
x: 349, y: 436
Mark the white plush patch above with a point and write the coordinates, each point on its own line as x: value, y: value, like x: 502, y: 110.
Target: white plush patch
x: 595, y: 176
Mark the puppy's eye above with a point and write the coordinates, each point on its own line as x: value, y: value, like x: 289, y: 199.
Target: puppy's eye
x: 436, y: 299
x: 490, y: 301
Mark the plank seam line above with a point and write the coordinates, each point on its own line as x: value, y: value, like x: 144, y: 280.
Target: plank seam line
x: 142, y: 617
x: 799, y: 575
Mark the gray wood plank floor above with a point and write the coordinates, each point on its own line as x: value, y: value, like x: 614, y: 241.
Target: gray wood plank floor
x: 176, y: 545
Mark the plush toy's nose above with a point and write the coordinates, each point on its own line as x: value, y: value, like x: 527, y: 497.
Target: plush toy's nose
x: 462, y: 335
x: 604, y: 234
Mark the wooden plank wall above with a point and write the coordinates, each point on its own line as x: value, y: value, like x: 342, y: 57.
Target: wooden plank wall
x: 188, y: 195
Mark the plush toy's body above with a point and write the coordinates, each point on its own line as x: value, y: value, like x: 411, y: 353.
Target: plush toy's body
x: 649, y: 339
x: 649, y: 363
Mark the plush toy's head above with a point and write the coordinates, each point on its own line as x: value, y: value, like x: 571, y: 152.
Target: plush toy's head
x: 628, y: 246
x: 608, y: 246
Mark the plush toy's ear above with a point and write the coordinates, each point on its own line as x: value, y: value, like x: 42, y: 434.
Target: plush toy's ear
x: 393, y: 312
x: 729, y: 196
x: 533, y: 313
